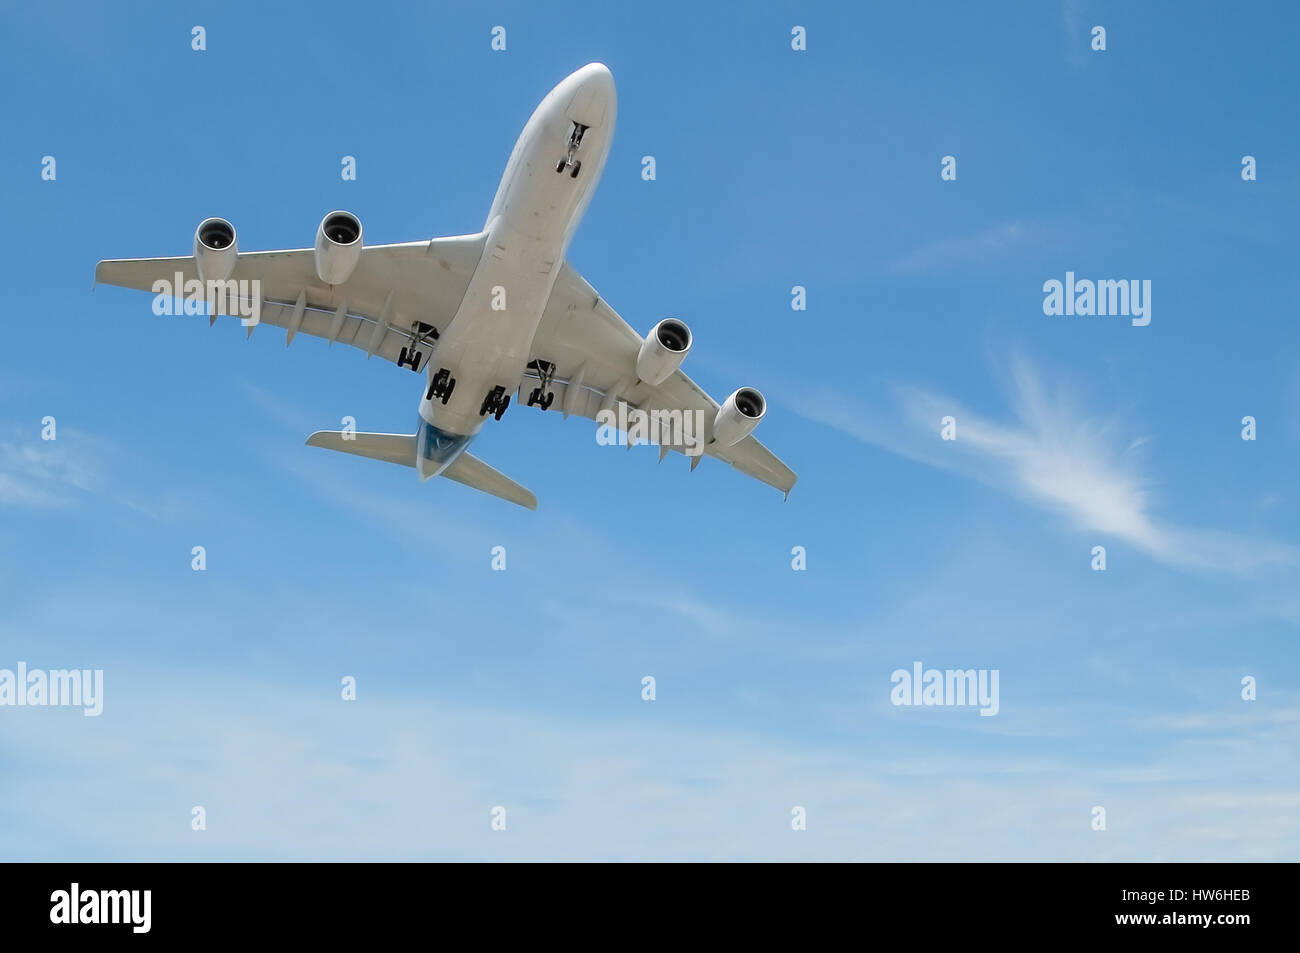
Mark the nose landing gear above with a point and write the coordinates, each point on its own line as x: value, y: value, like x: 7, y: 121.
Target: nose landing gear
x: 570, y: 160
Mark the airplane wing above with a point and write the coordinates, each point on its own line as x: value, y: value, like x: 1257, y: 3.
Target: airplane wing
x: 594, y: 352
x: 376, y: 310
x: 410, y: 289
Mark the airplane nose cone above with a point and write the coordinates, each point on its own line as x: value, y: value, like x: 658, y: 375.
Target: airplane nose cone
x: 597, y: 74
x: 593, y: 100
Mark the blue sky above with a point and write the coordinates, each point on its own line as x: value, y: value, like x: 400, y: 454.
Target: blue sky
x: 522, y: 688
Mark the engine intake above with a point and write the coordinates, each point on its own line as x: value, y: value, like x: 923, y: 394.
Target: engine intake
x: 338, y: 247
x: 738, y: 416
x: 215, y: 249
x: 663, y: 351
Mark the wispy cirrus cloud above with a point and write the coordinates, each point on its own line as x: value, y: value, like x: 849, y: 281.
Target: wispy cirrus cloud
x: 992, y: 246
x: 1054, y: 454
x: 41, y: 473
x: 78, y: 465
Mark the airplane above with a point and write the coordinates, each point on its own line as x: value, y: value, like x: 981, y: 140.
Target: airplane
x: 481, y: 317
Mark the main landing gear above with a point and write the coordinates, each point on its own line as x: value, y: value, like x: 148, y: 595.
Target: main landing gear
x: 495, y: 403
x: 570, y: 160
x: 441, y: 386
x: 542, y: 395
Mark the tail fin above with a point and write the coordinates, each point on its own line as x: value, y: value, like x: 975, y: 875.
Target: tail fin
x: 400, y: 449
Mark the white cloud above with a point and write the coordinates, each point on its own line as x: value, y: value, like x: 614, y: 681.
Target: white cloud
x: 1053, y: 454
x: 54, y: 474
x: 42, y: 473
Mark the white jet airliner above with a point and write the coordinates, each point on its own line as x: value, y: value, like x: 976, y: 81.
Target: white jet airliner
x: 481, y: 316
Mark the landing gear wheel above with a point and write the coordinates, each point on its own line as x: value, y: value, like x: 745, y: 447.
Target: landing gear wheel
x: 441, y: 386
x: 577, y: 165
x: 410, y: 358
x: 559, y: 166
x: 494, y: 403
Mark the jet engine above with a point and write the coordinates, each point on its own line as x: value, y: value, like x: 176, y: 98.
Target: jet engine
x: 338, y: 247
x: 663, y: 351
x: 215, y: 249
x: 738, y: 416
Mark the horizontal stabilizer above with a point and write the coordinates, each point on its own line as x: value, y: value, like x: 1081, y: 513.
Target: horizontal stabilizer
x: 400, y: 449
x: 472, y: 471
x: 391, y: 447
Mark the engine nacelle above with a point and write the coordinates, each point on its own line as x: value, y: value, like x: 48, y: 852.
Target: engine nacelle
x: 663, y: 351
x: 738, y: 416
x: 338, y: 247
x: 215, y: 249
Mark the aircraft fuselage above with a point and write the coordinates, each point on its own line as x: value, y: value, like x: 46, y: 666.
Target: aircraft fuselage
x: 538, y: 206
